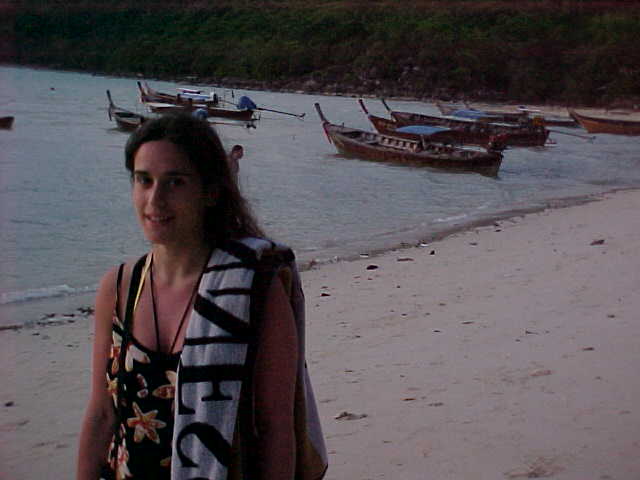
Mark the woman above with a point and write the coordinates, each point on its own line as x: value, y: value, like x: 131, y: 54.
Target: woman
x: 202, y: 339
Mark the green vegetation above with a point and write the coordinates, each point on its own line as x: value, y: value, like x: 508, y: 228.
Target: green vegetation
x: 564, y: 52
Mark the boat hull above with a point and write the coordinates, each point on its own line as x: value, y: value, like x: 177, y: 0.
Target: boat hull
x: 126, y: 120
x: 606, y: 125
x: 164, y: 103
x: 389, y: 149
x: 478, y: 133
x: 454, y: 137
x: 243, y: 115
x: 551, y: 121
x: 164, y: 108
x: 127, y: 124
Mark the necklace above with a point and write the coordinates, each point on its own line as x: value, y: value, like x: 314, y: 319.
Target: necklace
x: 186, y: 307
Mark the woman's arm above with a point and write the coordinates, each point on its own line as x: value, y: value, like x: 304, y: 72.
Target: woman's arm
x: 97, y: 426
x: 274, y: 383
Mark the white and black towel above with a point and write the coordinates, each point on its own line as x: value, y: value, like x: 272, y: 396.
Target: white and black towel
x: 214, y: 365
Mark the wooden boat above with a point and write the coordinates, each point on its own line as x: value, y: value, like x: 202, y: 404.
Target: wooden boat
x: 161, y: 107
x: 148, y: 94
x: 550, y: 120
x: 126, y: 120
x: 376, y: 146
x: 523, y: 115
x: 159, y: 102
x: 240, y: 115
x: 452, y: 136
x: 606, y: 125
x: 6, y: 123
x: 477, y: 133
x: 482, y: 115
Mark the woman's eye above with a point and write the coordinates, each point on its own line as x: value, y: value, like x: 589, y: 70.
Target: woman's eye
x: 141, y: 179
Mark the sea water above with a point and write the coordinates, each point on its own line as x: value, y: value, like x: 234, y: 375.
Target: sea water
x: 65, y: 207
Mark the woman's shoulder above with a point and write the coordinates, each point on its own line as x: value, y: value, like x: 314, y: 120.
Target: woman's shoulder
x: 106, y: 298
x: 114, y: 282
x: 118, y: 273
x: 108, y: 281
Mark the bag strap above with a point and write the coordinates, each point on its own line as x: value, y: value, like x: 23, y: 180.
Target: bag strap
x: 264, y: 273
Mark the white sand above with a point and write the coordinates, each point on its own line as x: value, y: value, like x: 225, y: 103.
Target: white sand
x: 512, y: 351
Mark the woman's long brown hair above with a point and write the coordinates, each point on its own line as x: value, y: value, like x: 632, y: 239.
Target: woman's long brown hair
x: 230, y: 218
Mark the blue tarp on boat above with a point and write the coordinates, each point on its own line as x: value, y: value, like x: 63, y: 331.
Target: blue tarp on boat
x: 471, y: 114
x: 245, y: 103
x: 421, y: 129
x: 200, y: 113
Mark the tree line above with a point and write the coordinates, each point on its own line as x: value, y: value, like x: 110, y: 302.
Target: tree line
x: 558, y: 52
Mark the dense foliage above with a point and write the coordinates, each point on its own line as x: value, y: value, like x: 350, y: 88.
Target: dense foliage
x: 568, y: 52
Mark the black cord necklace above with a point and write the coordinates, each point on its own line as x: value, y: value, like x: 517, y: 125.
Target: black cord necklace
x: 186, y: 308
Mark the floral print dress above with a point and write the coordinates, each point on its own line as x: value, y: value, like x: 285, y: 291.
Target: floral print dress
x: 141, y: 445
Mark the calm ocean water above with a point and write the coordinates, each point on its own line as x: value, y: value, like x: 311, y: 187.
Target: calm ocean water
x: 65, y: 213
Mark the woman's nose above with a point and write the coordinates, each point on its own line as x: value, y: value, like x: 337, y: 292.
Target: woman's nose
x: 157, y: 195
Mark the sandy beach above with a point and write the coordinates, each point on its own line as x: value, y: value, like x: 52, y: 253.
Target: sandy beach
x: 503, y: 352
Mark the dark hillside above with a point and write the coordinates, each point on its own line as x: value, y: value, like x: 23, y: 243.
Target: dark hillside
x: 569, y: 52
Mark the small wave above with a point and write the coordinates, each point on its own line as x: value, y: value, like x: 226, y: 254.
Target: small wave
x: 43, y: 293
x: 19, y: 221
x: 453, y: 218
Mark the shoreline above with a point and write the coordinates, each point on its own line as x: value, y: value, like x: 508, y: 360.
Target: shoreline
x: 498, y: 352
x: 260, y: 86
x: 76, y: 310
x: 421, y: 238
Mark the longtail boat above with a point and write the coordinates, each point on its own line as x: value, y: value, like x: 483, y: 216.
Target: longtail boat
x: 522, y: 115
x: 6, y: 122
x: 366, y: 145
x: 126, y: 120
x: 550, y: 120
x: 473, y: 132
x: 159, y: 102
x: 606, y: 125
x: 482, y: 115
x: 453, y: 136
x: 148, y: 94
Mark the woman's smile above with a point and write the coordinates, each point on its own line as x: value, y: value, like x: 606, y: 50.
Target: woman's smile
x: 158, y: 218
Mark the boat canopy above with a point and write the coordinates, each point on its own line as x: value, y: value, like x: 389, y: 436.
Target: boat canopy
x: 421, y: 129
x: 196, y: 97
x: 189, y: 90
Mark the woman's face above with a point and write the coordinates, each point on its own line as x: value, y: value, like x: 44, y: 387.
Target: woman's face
x: 168, y: 195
